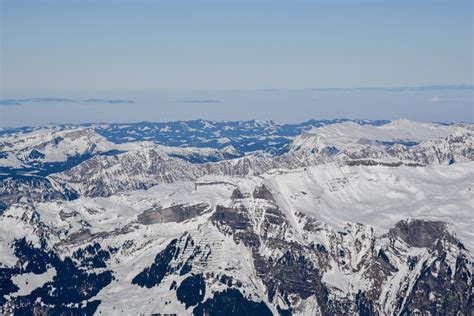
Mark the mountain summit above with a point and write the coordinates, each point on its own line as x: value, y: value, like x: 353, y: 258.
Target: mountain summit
x: 321, y: 218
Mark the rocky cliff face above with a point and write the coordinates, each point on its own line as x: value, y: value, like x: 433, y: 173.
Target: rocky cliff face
x: 412, y: 268
x: 401, y: 142
x: 384, y: 145
x: 244, y: 248
x: 366, y: 228
x: 281, y: 267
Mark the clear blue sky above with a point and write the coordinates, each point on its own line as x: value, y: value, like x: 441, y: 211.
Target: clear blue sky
x: 116, y: 45
x: 87, y: 48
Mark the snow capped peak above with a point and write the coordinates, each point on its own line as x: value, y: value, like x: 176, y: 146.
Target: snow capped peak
x: 54, y: 145
x: 231, y: 150
x: 351, y: 220
x: 401, y: 122
x: 349, y: 135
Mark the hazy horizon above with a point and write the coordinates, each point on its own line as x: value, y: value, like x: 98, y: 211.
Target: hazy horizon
x: 282, y: 60
x: 418, y: 104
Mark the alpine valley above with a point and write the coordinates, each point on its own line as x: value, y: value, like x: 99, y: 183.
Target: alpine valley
x: 324, y: 217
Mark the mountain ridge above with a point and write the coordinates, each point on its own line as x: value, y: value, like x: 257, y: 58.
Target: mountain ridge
x: 346, y: 220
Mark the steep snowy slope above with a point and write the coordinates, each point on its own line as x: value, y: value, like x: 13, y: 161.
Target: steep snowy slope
x: 353, y: 220
x: 106, y: 175
x: 27, y: 159
x: 380, y: 196
x: 348, y: 134
x: 399, y: 141
x: 326, y: 239
x: 52, y: 145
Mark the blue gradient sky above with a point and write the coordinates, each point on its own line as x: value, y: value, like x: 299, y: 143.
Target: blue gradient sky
x: 136, y: 48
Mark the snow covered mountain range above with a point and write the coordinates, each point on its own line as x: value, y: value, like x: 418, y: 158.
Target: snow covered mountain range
x: 247, y: 218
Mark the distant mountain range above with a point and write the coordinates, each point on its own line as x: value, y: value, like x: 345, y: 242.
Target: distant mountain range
x: 325, y: 217
x: 62, y: 100
x: 245, y: 136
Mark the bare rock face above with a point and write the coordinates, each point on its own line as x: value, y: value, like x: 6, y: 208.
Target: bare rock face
x: 289, y: 269
x: 34, y: 188
x: 443, y: 283
x: 256, y: 236
x: 417, y: 266
x: 175, y: 213
x: 262, y: 192
x: 290, y: 261
x: 236, y: 194
x: 420, y: 233
x: 440, y: 290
